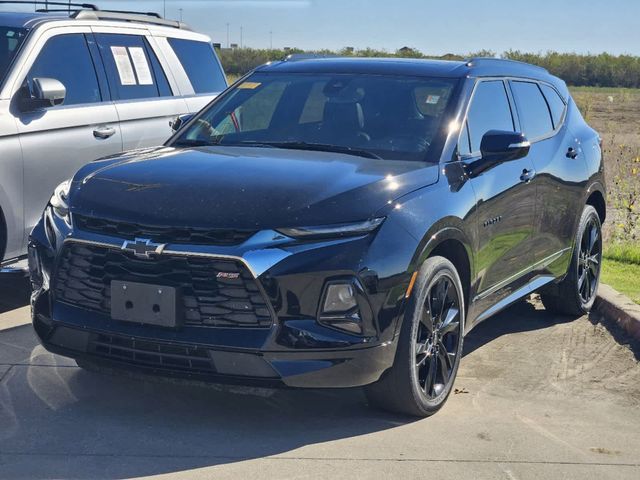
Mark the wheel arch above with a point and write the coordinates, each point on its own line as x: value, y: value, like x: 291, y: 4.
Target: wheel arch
x: 596, y: 198
x: 452, y: 243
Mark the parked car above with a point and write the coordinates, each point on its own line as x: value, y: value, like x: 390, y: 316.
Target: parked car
x: 79, y: 87
x: 328, y: 223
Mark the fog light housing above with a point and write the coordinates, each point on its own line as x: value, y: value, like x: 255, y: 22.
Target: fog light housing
x: 339, y: 307
x: 340, y: 297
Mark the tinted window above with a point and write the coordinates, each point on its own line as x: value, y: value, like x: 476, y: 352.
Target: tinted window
x: 533, y: 109
x: 374, y: 115
x: 489, y: 111
x: 133, y: 68
x: 199, y: 61
x: 10, y: 40
x: 556, y: 104
x: 66, y: 58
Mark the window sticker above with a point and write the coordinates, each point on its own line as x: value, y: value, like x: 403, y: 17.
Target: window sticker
x: 432, y: 99
x: 249, y: 85
x: 123, y: 64
x: 143, y: 71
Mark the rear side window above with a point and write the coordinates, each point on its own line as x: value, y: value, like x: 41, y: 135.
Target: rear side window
x: 533, y: 109
x: 132, y: 67
x: 489, y: 110
x: 556, y: 104
x: 67, y: 59
x: 199, y: 61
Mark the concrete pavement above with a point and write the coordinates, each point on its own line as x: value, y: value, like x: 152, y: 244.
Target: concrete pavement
x: 538, y: 397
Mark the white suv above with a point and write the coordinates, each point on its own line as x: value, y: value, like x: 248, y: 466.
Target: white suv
x: 79, y: 85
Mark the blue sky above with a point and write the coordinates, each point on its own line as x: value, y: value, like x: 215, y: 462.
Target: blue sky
x: 437, y: 27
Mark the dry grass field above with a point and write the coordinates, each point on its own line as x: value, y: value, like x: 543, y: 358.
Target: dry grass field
x: 615, y: 114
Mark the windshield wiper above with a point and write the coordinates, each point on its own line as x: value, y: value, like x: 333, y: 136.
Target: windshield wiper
x: 319, y: 147
x: 194, y: 143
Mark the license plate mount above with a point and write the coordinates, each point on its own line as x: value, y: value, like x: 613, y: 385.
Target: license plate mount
x: 145, y: 304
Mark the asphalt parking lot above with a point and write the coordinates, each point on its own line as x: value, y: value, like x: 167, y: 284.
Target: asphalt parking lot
x: 536, y: 397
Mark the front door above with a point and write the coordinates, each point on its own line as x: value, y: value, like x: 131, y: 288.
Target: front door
x: 506, y: 199
x: 57, y: 141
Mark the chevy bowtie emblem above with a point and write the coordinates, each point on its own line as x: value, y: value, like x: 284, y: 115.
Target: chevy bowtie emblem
x: 142, y: 247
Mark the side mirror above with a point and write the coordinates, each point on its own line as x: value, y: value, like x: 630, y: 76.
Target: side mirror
x: 44, y: 93
x: 180, y: 121
x: 501, y: 146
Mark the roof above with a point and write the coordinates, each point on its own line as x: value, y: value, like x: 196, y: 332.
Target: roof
x: 477, y: 67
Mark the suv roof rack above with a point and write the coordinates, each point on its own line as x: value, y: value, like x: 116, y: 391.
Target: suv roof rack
x: 141, y: 17
x: 488, y: 61
x: 89, y: 11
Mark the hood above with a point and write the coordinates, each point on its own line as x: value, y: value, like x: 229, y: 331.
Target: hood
x: 243, y: 188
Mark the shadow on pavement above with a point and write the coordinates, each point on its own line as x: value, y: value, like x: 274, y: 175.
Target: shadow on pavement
x: 14, y: 292
x: 520, y: 317
x: 94, y: 425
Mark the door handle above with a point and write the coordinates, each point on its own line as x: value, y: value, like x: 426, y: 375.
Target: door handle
x: 527, y: 175
x: 572, y: 153
x: 104, y: 132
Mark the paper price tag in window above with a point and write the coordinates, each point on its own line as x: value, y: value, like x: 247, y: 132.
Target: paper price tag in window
x: 141, y: 65
x: 433, y: 99
x: 123, y: 64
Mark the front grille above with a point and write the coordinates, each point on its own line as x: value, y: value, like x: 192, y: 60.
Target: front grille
x: 84, y: 274
x: 189, y: 236
x: 151, y: 354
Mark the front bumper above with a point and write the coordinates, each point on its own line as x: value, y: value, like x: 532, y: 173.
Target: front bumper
x: 295, y: 351
x: 155, y: 351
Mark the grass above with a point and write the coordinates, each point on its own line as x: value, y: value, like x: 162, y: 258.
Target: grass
x: 621, y: 269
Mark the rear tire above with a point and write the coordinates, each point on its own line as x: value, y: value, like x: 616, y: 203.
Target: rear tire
x: 576, y: 293
x: 429, y: 345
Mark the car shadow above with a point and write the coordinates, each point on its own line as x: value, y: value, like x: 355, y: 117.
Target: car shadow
x: 14, y: 292
x: 63, y: 422
x: 522, y: 316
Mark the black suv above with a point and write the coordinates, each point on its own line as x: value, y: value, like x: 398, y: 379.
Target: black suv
x: 328, y: 223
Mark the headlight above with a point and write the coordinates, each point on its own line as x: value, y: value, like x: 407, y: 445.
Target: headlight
x: 340, y: 230
x: 60, y: 201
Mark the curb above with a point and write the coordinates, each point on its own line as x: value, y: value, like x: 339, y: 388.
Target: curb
x: 620, y: 309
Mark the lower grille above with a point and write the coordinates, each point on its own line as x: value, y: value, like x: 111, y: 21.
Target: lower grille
x: 212, y: 292
x: 151, y: 354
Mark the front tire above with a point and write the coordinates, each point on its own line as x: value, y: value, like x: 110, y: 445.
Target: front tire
x: 429, y: 345
x: 577, y: 292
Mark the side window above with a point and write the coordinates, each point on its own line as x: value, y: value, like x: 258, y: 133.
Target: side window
x: 132, y: 67
x: 66, y: 58
x: 489, y: 110
x: 464, y: 143
x: 533, y: 109
x: 199, y: 61
x: 556, y: 104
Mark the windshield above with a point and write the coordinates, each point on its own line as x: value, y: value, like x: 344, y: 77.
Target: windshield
x: 375, y: 116
x: 10, y: 40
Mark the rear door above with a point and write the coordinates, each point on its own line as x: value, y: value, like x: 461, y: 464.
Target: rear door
x: 57, y: 141
x: 505, y: 203
x: 560, y: 178
x: 144, y: 97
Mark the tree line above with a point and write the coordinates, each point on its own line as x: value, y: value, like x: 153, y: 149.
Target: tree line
x: 601, y: 70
